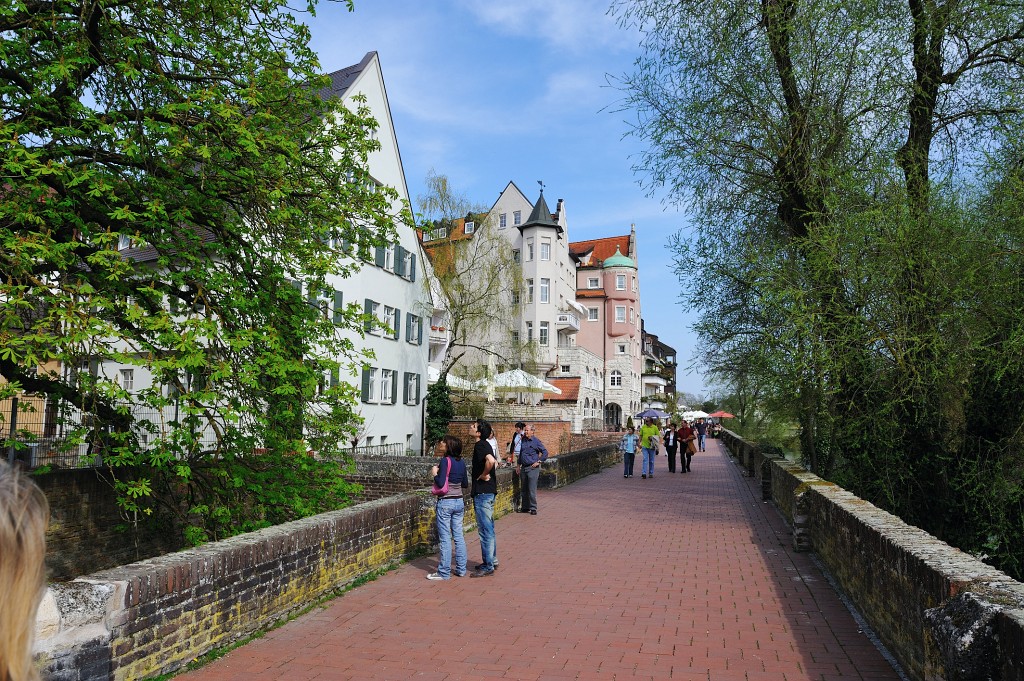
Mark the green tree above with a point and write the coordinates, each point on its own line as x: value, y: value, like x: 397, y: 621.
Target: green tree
x: 440, y: 411
x: 830, y: 155
x: 475, y: 281
x: 196, y: 135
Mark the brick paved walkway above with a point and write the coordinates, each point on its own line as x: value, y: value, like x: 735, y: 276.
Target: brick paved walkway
x: 683, y: 576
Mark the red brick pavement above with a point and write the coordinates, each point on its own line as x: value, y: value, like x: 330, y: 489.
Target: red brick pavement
x: 683, y: 576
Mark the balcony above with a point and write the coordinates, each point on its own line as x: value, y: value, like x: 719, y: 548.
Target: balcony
x: 438, y: 334
x: 567, y: 322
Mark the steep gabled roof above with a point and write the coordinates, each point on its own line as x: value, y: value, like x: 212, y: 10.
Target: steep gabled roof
x: 342, y: 79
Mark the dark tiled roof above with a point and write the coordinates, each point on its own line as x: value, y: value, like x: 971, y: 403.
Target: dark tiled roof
x: 342, y: 79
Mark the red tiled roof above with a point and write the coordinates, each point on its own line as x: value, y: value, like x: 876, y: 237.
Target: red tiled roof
x: 590, y: 293
x: 457, y: 233
x: 570, y: 388
x: 602, y: 248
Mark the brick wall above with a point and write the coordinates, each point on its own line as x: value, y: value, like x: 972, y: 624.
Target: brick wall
x: 166, y: 611
x: 87, y: 532
x: 942, y: 613
x: 554, y: 434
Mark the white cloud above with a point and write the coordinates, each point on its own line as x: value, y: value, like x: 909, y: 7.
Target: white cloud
x: 573, y: 25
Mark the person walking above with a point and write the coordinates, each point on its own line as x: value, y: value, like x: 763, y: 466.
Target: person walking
x: 628, y: 447
x: 531, y: 455
x: 702, y: 430
x: 450, y: 509
x: 649, y: 437
x: 685, y: 436
x: 671, y: 443
x: 485, y: 489
x: 24, y: 514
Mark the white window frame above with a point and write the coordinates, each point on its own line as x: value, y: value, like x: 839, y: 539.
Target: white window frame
x: 529, y: 250
x: 517, y: 255
x: 565, y: 368
x: 529, y: 332
x: 389, y: 322
x: 620, y: 282
x: 517, y: 217
x: 503, y: 221
x: 412, y: 387
x: 593, y: 282
x: 376, y: 330
x: 545, y: 290
x: 128, y: 379
x: 545, y: 249
x: 620, y: 313
x: 615, y: 379
x: 529, y: 290
x: 593, y: 314
x: 385, y: 385
x: 469, y: 227
x: 389, y: 258
x: 371, y: 384
x: 543, y: 333
x: 620, y: 349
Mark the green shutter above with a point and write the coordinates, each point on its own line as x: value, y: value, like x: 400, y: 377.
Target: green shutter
x: 405, y: 388
x: 379, y: 259
x: 394, y: 387
x: 412, y: 267
x: 366, y: 384
x: 417, y: 395
x: 419, y: 331
x: 399, y: 260
x: 334, y: 376
x: 368, y: 310
x: 398, y: 324
x: 339, y: 309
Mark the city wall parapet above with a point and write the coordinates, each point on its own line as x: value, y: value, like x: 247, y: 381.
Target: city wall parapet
x: 942, y: 613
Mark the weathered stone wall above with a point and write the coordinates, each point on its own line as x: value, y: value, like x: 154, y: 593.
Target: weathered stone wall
x: 163, y: 612
x: 942, y: 613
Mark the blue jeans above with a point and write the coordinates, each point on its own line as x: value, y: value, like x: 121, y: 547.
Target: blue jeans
x: 627, y: 462
x: 450, y: 513
x: 700, y: 442
x: 483, y: 505
x: 647, y: 468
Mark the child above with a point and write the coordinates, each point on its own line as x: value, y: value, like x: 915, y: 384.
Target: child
x: 628, y: 449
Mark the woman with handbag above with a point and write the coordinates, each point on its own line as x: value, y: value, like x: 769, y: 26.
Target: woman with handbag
x: 450, y: 479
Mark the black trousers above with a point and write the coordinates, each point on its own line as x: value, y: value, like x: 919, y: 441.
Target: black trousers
x: 671, y: 451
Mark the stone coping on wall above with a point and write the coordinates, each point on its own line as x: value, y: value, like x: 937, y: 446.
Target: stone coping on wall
x: 942, y: 613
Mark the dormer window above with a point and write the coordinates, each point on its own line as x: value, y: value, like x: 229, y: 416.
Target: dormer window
x: 470, y: 227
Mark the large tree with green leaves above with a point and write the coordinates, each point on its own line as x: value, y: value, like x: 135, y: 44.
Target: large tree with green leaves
x: 169, y: 173
x: 830, y: 153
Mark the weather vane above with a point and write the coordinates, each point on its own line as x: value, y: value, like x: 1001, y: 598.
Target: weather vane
x: 541, y: 183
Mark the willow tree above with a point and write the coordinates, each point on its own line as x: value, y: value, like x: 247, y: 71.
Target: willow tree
x: 827, y: 151
x: 475, y: 278
x: 173, y: 183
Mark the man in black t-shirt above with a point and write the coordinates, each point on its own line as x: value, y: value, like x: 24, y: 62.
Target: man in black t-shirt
x: 485, y: 489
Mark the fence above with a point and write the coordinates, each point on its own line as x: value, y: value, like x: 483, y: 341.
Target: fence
x: 44, y: 431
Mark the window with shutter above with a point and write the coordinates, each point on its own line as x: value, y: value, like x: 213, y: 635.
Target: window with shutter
x: 400, y: 254
x: 412, y: 267
x: 339, y: 309
x: 367, y: 385
x: 379, y: 257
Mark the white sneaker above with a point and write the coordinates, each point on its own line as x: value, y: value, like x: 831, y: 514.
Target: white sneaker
x: 433, y: 576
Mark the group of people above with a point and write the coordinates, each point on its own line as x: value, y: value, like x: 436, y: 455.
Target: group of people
x: 24, y: 515
x: 525, y: 451
x: 691, y: 438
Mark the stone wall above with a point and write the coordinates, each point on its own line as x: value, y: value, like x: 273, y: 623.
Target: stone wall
x: 942, y: 613
x: 154, y: 616
x: 87, y: 532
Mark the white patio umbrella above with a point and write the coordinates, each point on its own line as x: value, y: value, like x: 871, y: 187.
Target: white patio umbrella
x: 518, y: 381
x: 453, y: 381
x: 696, y: 414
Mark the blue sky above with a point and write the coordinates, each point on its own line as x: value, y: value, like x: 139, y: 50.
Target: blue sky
x: 486, y: 92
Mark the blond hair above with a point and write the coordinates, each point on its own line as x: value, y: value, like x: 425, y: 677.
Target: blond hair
x: 24, y: 514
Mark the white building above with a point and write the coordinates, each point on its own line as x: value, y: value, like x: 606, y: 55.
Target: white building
x: 393, y: 288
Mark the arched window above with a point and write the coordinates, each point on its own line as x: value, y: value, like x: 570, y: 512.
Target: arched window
x: 616, y: 378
